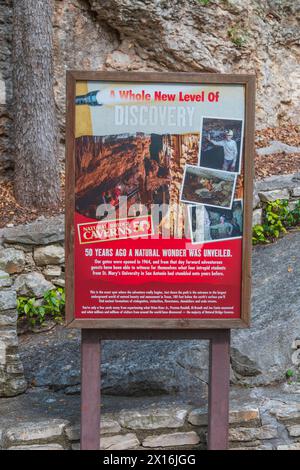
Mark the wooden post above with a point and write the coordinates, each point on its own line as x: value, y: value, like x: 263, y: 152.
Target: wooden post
x: 218, y: 400
x: 90, y: 390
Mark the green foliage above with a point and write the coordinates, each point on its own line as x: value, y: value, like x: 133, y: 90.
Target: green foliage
x: 204, y: 2
x: 289, y: 373
x: 277, y: 218
x: 36, y: 310
x: 237, y: 36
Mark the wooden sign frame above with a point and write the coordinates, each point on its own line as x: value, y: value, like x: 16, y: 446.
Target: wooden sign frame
x: 248, y: 81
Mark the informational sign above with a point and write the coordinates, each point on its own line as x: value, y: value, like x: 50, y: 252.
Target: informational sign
x: 159, y: 199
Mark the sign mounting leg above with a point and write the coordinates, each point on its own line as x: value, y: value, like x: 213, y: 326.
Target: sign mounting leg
x: 218, y: 400
x: 90, y: 390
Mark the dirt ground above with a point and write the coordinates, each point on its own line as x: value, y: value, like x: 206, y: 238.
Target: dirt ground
x: 267, y: 165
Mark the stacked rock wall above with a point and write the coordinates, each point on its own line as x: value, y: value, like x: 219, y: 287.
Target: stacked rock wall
x: 272, y: 426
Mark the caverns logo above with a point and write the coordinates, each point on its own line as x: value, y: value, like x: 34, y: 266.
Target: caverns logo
x: 96, y: 232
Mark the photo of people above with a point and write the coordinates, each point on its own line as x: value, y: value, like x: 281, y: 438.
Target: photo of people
x: 211, y: 224
x: 221, y: 144
x: 207, y: 186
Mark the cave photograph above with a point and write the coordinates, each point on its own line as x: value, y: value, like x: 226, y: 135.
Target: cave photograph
x: 207, y: 186
x: 144, y: 168
x: 211, y: 224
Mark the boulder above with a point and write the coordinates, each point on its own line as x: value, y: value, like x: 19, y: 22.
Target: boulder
x: 52, y: 272
x: 32, y: 284
x: 257, y: 217
x: 51, y: 254
x: 278, y: 182
x: 268, y: 431
x: 5, y: 279
x: 8, y: 299
x: 119, y: 442
x: 263, y: 353
x: 40, y: 232
x: 153, y: 419
x: 11, y: 260
x: 47, y: 430
x: 271, y: 196
x: 172, y: 439
x: 38, y: 447
x: 277, y: 147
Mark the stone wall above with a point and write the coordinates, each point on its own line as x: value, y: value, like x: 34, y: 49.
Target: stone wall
x: 272, y: 188
x: 274, y: 426
x: 233, y: 36
x: 31, y: 262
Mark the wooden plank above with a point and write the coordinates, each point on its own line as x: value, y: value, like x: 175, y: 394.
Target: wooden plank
x: 163, y: 323
x: 249, y: 151
x: 218, y: 398
x: 70, y: 198
x: 90, y: 391
x: 162, y: 77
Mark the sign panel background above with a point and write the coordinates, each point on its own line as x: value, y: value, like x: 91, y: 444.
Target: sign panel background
x: 158, y: 203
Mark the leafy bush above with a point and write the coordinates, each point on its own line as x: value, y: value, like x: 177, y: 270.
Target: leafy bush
x: 38, y: 310
x: 277, y: 218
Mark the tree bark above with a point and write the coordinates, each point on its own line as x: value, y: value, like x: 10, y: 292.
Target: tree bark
x: 37, y: 181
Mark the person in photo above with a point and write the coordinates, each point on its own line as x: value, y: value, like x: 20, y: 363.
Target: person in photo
x: 230, y: 150
x: 224, y: 228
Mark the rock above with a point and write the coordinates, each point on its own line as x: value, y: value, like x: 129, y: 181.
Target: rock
x: 267, y: 431
x: 11, y: 260
x: 262, y: 354
x: 278, y: 182
x: 287, y: 413
x: 292, y: 205
x: 294, y: 431
x: 51, y: 272
x: 109, y: 426
x: 163, y: 45
x: 40, y: 232
x: 289, y: 447
x: 166, y: 367
x: 119, y: 442
x: 243, y: 365
x: 153, y: 419
x: 5, y: 279
x: 8, y: 299
x: 73, y: 432
x: 257, y: 217
x: 296, y: 191
x: 8, y: 318
x: 59, y: 282
x: 255, y: 200
x: 38, y: 447
x: 277, y: 147
x: 51, y: 254
x: 270, y: 196
x: 243, y: 417
x: 73, y: 390
x: 76, y: 446
x: 172, y: 439
x: 36, y: 431
x: 32, y: 284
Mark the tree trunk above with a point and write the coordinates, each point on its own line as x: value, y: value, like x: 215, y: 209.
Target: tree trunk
x: 37, y: 181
